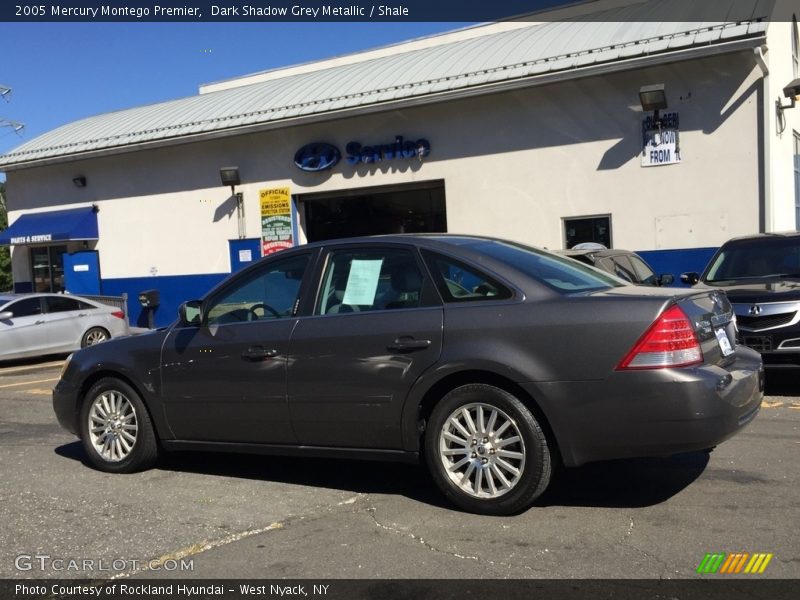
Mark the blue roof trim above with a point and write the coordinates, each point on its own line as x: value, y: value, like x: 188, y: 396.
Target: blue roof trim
x: 54, y: 226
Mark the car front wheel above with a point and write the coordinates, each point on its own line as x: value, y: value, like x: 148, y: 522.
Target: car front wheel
x: 116, y: 430
x: 486, y: 450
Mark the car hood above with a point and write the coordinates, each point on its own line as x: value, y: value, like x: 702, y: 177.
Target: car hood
x: 761, y: 290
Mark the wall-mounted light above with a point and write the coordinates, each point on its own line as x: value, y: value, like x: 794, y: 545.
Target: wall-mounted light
x: 791, y: 91
x: 79, y: 181
x: 230, y: 176
x: 653, y: 97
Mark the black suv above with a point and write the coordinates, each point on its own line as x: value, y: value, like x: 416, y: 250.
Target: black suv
x: 761, y: 275
x: 623, y: 263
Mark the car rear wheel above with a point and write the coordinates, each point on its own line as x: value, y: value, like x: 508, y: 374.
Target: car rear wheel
x: 116, y: 430
x: 486, y: 450
x: 93, y: 336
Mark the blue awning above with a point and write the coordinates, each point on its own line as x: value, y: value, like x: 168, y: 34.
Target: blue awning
x: 54, y: 226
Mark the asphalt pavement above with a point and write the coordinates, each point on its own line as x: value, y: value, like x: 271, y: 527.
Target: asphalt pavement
x: 226, y: 515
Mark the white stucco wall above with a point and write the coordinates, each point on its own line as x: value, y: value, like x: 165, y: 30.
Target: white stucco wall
x: 781, y: 67
x: 514, y: 165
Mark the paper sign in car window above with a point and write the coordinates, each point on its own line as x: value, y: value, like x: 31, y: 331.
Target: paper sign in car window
x: 362, y: 283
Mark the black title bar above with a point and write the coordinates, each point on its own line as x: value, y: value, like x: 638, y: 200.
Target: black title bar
x: 366, y: 11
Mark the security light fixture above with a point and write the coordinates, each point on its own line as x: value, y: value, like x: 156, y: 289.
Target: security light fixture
x: 791, y: 91
x: 79, y: 181
x: 230, y: 176
x: 653, y: 97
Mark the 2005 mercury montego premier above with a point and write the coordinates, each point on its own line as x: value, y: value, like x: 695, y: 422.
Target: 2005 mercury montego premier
x: 490, y: 359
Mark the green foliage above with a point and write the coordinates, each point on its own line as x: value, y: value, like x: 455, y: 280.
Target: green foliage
x: 5, y: 255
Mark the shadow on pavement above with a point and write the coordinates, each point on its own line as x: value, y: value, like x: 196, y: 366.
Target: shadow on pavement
x: 783, y: 382
x: 631, y: 483
x: 32, y: 362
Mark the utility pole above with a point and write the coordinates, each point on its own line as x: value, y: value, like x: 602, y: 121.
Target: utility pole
x: 5, y: 92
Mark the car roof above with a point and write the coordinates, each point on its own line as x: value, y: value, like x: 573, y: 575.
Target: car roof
x: 14, y: 296
x: 764, y: 236
x: 419, y: 239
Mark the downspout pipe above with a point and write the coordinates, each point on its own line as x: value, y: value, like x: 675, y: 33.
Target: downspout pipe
x: 766, y: 210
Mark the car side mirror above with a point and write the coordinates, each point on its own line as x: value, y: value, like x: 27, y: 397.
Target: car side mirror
x: 691, y: 278
x: 666, y: 279
x: 6, y: 315
x: 191, y: 313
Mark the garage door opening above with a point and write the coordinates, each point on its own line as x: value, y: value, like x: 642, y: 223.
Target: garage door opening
x: 375, y: 211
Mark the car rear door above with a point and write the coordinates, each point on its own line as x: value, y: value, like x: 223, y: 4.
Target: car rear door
x: 64, y: 323
x: 374, y: 328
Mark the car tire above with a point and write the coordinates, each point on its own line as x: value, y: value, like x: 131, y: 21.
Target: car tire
x: 116, y: 429
x: 93, y: 336
x: 502, y: 466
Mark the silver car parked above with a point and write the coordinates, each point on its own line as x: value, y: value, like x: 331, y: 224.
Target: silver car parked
x: 39, y: 324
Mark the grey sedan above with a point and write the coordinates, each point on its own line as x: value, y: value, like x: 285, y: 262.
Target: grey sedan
x: 39, y: 324
x: 491, y: 361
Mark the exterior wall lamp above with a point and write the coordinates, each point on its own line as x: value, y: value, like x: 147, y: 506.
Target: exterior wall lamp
x: 230, y: 176
x: 791, y: 91
x: 79, y: 181
x: 653, y: 97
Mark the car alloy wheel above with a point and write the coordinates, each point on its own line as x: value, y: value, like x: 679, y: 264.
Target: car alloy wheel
x: 94, y: 336
x: 116, y: 430
x: 486, y: 451
x: 482, y: 450
x: 113, y: 427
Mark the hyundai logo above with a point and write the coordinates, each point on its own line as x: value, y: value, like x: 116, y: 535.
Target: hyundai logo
x: 754, y: 310
x: 317, y: 156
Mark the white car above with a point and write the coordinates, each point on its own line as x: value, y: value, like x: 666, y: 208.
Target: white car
x: 38, y: 324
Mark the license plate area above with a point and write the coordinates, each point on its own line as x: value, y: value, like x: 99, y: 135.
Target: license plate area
x: 723, y: 341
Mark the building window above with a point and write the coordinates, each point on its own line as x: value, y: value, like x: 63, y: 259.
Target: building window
x: 797, y: 181
x: 587, y: 229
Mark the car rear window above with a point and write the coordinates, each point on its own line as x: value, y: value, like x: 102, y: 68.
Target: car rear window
x: 558, y: 273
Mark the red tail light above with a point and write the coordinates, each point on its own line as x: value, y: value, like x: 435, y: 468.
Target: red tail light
x: 670, y: 342
x: 119, y: 314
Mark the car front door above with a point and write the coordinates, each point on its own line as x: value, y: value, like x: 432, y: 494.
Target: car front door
x: 376, y: 327
x: 225, y: 380
x: 23, y: 334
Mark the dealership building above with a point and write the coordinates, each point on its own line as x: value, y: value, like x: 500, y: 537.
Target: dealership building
x: 618, y: 126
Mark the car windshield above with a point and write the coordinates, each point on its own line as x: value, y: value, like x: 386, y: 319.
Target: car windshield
x: 757, y: 258
x: 559, y: 273
x: 5, y: 300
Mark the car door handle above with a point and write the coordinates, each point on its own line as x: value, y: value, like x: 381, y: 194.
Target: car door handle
x: 407, y: 343
x: 255, y: 353
x: 82, y: 314
x: 39, y: 322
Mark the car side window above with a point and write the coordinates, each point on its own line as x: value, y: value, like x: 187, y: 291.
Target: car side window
x: 55, y: 304
x: 26, y: 307
x: 458, y: 282
x: 623, y: 269
x: 267, y: 293
x: 644, y: 272
x: 369, y: 279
